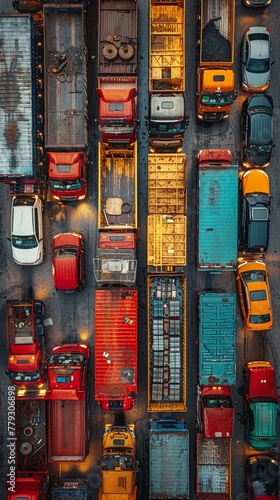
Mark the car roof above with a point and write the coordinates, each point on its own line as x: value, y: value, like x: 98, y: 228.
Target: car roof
x: 259, y: 49
x: 23, y: 221
x: 261, y: 128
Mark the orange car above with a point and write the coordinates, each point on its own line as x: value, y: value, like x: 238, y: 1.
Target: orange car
x: 254, y: 294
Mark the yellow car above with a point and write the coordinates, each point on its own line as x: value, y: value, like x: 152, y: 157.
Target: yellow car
x: 254, y: 295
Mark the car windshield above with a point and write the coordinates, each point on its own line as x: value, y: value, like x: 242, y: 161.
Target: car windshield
x: 249, y: 276
x: 257, y: 319
x: 25, y: 377
x: 222, y: 402
x: 63, y: 252
x: 66, y: 185
x: 67, y: 359
x: 258, y: 65
x: 24, y: 242
x: 110, y: 462
x: 256, y: 149
x: 217, y: 99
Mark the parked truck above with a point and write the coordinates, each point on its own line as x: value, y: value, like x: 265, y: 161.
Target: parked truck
x: 166, y: 343
x: 65, y: 100
x: 27, y: 443
x: 215, y: 58
x: 20, y: 104
x: 25, y: 340
x: 213, y: 468
x: 118, y: 463
x: 217, y: 206
x: 116, y: 333
x: 168, y: 459
x: 117, y: 193
x: 117, y: 72
x: 167, y: 120
x: 115, y: 261
x: 68, y: 403
x: 217, y: 338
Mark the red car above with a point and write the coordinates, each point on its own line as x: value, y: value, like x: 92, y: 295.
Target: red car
x: 262, y: 477
x: 215, y: 413
x: 68, y: 262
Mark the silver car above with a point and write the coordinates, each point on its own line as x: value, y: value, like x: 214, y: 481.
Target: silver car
x: 256, y: 59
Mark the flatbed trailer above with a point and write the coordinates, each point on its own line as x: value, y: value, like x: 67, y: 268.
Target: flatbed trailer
x: 65, y: 78
x: 117, y: 181
x: 167, y: 349
x: 166, y: 243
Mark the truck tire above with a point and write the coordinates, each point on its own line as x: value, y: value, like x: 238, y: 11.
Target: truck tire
x: 110, y: 52
x: 126, y: 51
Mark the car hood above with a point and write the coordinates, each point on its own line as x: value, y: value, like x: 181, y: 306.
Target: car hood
x: 27, y: 256
x: 256, y: 80
x: 257, y: 160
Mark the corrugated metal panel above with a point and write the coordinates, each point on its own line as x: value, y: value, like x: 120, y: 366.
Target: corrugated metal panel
x: 169, y: 464
x: 166, y: 242
x: 167, y: 344
x: 167, y: 184
x: 217, y: 217
x: 213, y: 468
x: 217, y: 338
x: 18, y: 96
x: 115, y: 342
x: 65, y: 91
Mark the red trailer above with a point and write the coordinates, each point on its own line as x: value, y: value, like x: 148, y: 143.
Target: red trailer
x: 116, y: 328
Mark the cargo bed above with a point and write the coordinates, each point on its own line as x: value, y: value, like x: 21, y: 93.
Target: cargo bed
x: 65, y: 89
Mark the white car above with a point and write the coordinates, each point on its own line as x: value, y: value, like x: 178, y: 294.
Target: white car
x: 256, y: 59
x: 27, y: 230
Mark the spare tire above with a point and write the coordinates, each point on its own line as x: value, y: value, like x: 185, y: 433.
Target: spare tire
x: 126, y: 51
x: 110, y: 52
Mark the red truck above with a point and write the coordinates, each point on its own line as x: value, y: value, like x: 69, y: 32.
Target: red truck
x: 65, y: 100
x: 25, y: 340
x: 27, y: 450
x: 215, y: 413
x: 117, y: 72
x: 68, y: 403
x: 116, y: 327
x: 115, y: 261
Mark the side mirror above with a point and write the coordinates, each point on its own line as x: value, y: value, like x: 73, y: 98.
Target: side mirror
x: 9, y: 239
x: 271, y: 64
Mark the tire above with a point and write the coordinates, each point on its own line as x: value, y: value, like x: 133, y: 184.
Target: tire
x: 126, y: 51
x: 110, y: 52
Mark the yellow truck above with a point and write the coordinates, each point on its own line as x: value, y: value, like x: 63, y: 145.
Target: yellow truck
x: 117, y: 194
x: 215, y: 54
x: 167, y: 120
x: 118, y: 464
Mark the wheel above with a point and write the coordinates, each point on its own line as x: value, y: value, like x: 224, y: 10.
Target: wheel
x: 110, y: 52
x: 126, y: 51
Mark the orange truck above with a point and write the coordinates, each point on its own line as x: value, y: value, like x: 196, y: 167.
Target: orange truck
x: 118, y: 464
x: 116, y: 330
x: 25, y: 340
x: 65, y: 100
x: 68, y: 403
x: 117, y: 72
x: 215, y: 54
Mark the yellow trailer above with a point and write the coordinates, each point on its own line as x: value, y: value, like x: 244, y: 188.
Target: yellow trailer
x: 167, y: 45
x: 167, y: 343
x: 167, y: 184
x: 166, y: 243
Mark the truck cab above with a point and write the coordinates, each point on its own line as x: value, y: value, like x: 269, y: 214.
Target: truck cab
x: 215, y: 413
x: 215, y: 94
x: 29, y: 486
x: 67, y: 369
x: 117, y: 113
x: 24, y: 327
x: 67, y: 174
x: 118, y: 463
x: 167, y: 122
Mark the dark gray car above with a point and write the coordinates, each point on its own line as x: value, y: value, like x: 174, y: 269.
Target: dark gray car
x: 257, y: 131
